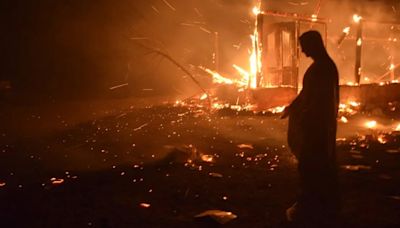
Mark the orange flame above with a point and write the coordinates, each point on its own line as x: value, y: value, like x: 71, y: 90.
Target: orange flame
x: 371, y: 124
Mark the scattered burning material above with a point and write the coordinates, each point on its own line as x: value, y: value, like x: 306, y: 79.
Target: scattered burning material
x: 218, y: 175
x: 144, y: 205
x: 245, y: 146
x: 344, y: 119
x: 56, y: 181
x: 221, y: 217
x: 349, y: 108
x: 207, y: 158
x: 356, y: 167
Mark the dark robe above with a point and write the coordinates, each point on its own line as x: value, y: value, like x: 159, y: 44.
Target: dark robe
x: 312, y: 137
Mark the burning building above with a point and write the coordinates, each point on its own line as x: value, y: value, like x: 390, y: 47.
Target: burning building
x: 364, y: 47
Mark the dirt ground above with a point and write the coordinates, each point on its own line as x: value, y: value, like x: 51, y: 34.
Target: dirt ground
x: 143, y: 163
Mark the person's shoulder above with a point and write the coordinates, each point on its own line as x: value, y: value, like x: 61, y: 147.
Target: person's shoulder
x: 330, y: 64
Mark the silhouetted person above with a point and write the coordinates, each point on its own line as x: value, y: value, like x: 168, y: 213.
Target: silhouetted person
x: 312, y: 137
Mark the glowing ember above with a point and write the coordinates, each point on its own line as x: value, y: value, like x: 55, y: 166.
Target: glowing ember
x: 351, y: 84
x: 245, y: 146
x: 56, y: 181
x: 349, y: 108
x: 207, y: 158
x: 397, y: 128
x: 314, y: 18
x: 381, y: 139
x: 256, y: 10
x: 178, y: 102
x: 344, y: 119
x: 278, y: 109
x: 371, y: 124
x: 219, y: 106
x: 203, y: 97
x: 357, y: 18
x: 145, y: 205
x: 392, y: 66
x: 359, y: 42
x: 346, y: 30
x: 2, y: 184
x: 353, y: 103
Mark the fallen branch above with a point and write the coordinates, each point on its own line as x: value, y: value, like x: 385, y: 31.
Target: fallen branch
x: 176, y: 63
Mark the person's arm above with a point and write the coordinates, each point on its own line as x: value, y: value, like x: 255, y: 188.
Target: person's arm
x: 295, y: 103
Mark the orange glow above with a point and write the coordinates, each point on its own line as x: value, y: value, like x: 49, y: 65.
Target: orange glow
x: 249, y: 78
x: 359, y: 42
x: 351, y: 84
x: 357, y: 18
x: 371, y: 124
x: 346, y: 30
x: 145, y: 205
x: 217, y: 78
x: 353, y: 103
x: 256, y: 10
x: 314, y: 18
x: 203, y: 97
x: 207, y: 158
x: 382, y: 139
x: 56, y: 181
x: 350, y: 107
x: 398, y: 127
x: 343, y: 119
x: 245, y: 146
x: 278, y: 109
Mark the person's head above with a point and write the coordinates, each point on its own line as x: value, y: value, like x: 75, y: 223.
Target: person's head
x: 312, y: 44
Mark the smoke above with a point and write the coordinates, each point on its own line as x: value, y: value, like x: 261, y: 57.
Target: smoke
x: 90, y: 45
x: 192, y: 32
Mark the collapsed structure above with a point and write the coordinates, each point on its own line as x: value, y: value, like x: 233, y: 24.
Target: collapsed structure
x: 277, y: 65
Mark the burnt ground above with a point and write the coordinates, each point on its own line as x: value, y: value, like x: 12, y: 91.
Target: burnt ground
x: 125, y: 164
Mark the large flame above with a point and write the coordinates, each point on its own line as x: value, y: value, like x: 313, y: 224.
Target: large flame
x: 250, y: 77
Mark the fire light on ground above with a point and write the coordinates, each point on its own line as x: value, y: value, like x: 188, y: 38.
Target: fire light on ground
x: 203, y: 97
x: 278, y: 109
x: 371, y: 124
x: 344, y: 119
x: 349, y: 108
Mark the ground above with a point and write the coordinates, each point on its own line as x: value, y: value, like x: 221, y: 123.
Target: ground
x: 147, y: 163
